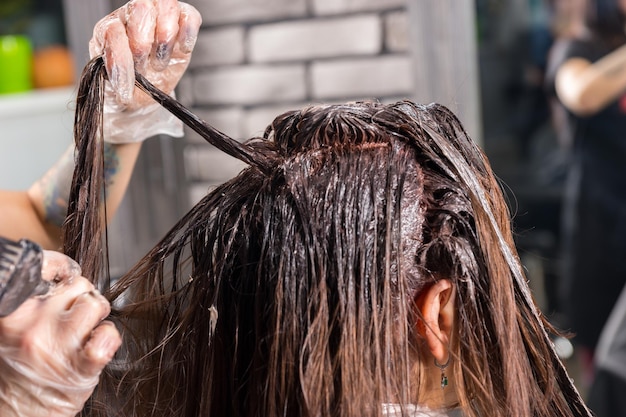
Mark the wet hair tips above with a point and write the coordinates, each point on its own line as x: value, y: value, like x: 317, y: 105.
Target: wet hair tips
x: 289, y: 290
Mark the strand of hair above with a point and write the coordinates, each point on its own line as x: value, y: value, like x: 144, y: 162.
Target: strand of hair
x: 216, y: 138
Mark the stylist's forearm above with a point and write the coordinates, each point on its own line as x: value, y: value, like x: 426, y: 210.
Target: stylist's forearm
x: 586, y: 88
x: 49, y: 195
x: 119, y: 164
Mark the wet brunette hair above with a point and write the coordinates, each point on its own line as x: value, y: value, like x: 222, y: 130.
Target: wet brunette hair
x: 289, y: 290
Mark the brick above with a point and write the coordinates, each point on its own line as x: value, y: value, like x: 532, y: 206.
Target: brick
x: 222, y: 46
x: 227, y: 120
x: 329, y: 7
x: 259, y: 118
x: 309, y: 39
x: 397, y: 31
x: 395, y: 99
x: 364, y: 78
x: 184, y: 91
x: 207, y: 163
x: 251, y: 85
x: 244, y: 11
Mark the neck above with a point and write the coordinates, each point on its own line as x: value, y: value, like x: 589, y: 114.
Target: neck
x: 432, y: 394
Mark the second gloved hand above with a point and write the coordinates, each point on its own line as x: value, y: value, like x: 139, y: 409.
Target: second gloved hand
x: 53, y: 347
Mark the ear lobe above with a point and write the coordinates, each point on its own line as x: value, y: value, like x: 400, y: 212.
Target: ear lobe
x: 437, y: 312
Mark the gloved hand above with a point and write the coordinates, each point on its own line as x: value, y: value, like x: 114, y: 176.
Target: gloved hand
x: 156, y: 38
x: 53, y: 347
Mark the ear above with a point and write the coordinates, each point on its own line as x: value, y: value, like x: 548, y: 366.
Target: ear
x: 436, y: 311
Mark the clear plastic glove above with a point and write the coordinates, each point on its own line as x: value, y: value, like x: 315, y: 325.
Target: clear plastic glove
x: 53, y: 347
x: 156, y: 38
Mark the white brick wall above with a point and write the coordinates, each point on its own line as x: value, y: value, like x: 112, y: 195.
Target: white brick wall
x: 257, y: 119
x: 326, y: 7
x: 219, y: 12
x: 250, y: 85
x: 210, y: 164
x: 372, y: 77
x: 184, y: 91
x: 228, y: 120
x: 310, y: 39
x: 221, y: 46
x: 397, y: 31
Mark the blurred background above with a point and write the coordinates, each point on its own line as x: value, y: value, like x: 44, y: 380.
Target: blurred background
x: 484, y: 59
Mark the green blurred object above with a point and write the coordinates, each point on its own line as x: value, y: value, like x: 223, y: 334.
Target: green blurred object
x: 16, y: 57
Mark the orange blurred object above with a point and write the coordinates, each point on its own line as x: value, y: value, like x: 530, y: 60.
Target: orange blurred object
x: 53, y: 66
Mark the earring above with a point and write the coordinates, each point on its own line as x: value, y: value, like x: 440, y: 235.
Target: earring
x: 442, y: 367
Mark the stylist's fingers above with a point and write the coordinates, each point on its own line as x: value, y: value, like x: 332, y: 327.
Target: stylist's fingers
x: 140, y: 18
x: 154, y: 38
x: 38, y: 316
x: 189, y: 23
x: 58, y: 267
x: 166, y: 32
x: 99, y: 348
x: 125, y: 38
x: 97, y: 340
x: 66, y: 303
x: 85, y: 312
x: 110, y: 40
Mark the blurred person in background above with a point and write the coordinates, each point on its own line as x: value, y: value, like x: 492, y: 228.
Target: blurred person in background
x: 587, y: 73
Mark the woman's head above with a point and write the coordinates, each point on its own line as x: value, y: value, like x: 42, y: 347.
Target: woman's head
x: 361, y: 213
x: 607, y: 20
x: 366, y: 207
x: 298, y: 287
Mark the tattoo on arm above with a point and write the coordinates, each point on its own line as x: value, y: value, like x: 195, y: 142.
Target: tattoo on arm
x: 111, y: 164
x: 55, y: 188
x: 55, y: 184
